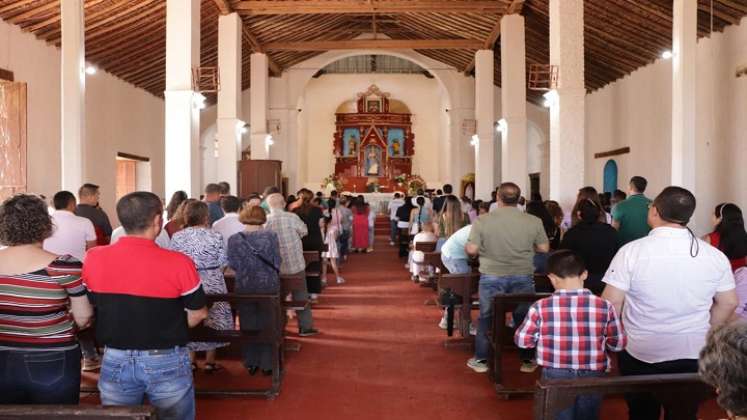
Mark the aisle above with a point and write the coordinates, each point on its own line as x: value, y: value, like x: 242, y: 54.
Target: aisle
x: 379, y: 356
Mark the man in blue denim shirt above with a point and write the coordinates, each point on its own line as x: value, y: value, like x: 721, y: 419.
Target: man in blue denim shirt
x: 146, y: 297
x: 506, y: 241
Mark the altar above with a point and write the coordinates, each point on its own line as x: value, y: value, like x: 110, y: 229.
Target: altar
x: 374, y: 143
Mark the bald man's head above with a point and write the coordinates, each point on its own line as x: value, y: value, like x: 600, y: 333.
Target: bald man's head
x: 276, y: 201
x: 509, y: 193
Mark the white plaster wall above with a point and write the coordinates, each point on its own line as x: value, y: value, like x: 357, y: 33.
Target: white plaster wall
x: 119, y: 118
x: 636, y: 112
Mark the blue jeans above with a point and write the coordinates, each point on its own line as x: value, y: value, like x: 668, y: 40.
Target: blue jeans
x: 40, y: 377
x: 489, y: 287
x: 455, y: 265
x: 127, y: 376
x: 393, y: 231
x: 586, y: 406
x: 343, y: 242
x: 370, y: 237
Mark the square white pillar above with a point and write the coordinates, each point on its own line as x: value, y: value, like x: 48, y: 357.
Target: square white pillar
x: 514, y: 102
x: 485, y: 117
x: 73, y: 90
x: 684, y: 58
x: 229, y: 97
x: 567, y: 116
x: 182, y: 114
x: 258, y: 95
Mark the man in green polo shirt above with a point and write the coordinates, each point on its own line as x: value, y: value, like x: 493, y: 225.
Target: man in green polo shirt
x: 506, y: 241
x: 630, y: 217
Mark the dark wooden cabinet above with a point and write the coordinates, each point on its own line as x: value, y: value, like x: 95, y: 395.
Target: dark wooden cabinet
x: 256, y: 175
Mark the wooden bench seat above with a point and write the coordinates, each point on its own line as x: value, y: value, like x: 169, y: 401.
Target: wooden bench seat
x: 465, y: 286
x: 501, y: 336
x: 554, y: 395
x: 79, y: 412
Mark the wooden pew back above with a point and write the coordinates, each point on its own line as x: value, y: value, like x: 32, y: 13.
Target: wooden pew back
x: 425, y: 246
x: 502, y: 336
x: 79, y: 412
x: 554, y: 395
x: 272, y: 335
x: 466, y: 286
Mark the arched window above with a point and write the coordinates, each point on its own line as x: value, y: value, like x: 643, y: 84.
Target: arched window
x: 610, y: 176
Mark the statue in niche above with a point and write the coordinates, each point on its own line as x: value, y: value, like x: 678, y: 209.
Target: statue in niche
x: 373, y: 161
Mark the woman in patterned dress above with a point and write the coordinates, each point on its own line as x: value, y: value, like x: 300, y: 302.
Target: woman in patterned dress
x: 206, y: 249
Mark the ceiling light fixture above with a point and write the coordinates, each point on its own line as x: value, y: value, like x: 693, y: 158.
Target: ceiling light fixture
x: 90, y: 70
x: 666, y: 55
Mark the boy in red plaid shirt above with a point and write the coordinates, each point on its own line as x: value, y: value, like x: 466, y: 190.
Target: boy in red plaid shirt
x: 572, y: 331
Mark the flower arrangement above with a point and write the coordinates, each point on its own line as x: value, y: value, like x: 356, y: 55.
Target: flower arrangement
x: 410, y: 183
x: 333, y: 182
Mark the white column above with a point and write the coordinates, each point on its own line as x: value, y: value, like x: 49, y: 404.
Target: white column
x: 73, y: 89
x: 514, y: 102
x: 684, y: 43
x: 567, y: 111
x: 229, y: 97
x: 485, y: 117
x: 259, y: 90
x: 182, y: 158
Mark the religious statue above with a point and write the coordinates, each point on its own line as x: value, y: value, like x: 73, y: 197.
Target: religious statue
x: 395, y: 149
x: 352, y: 145
x: 372, y: 163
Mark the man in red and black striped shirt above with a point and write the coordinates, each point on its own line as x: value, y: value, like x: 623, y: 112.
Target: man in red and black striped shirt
x: 146, y: 298
x: 572, y: 330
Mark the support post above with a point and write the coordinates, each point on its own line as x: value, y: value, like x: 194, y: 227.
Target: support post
x: 485, y: 117
x: 684, y: 58
x: 514, y: 102
x: 229, y: 97
x: 182, y: 113
x: 73, y: 89
x: 567, y: 110
x: 258, y: 99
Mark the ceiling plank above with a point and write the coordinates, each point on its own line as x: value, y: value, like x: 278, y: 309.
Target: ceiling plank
x: 263, y: 7
x: 374, y: 44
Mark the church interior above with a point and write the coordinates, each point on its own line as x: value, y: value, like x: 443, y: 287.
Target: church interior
x: 369, y: 98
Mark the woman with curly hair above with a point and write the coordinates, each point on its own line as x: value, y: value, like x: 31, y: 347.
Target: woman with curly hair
x: 39, y: 353
x: 723, y: 365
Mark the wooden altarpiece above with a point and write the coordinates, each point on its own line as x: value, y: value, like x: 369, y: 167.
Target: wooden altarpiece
x: 373, y: 144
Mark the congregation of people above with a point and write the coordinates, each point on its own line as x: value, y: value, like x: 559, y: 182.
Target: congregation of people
x: 630, y: 278
x: 78, y: 296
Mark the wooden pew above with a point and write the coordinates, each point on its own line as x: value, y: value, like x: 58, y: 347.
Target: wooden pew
x: 288, y: 285
x: 313, y: 271
x: 426, y: 248
x: 79, y: 412
x: 500, y: 335
x: 466, y: 286
x: 552, y: 396
x: 272, y: 335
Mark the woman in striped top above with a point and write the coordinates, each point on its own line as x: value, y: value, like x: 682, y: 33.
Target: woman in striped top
x: 42, y: 299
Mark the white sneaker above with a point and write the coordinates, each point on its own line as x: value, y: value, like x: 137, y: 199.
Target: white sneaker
x: 340, y: 280
x: 391, y: 243
x: 443, y: 324
x: 479, y: 366
x: 472, y: 329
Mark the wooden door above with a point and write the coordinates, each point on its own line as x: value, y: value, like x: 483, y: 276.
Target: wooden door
x: 12, y: 138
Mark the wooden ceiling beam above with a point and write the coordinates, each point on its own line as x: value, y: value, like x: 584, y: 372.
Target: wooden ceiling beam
x: 19, y: 17
x: 375, y: 44
x: 56, y: 17
x: 495, y: 33
x: 15, y: 5
x: 263, y: 7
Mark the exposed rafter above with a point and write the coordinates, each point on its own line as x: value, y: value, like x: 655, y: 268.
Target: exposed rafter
x: 263, y: 7
x: 375, y: 44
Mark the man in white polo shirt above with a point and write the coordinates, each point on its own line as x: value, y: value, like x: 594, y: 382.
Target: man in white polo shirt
x: 72, y: 235
x: 672, y: 288
x: 229, y: 224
